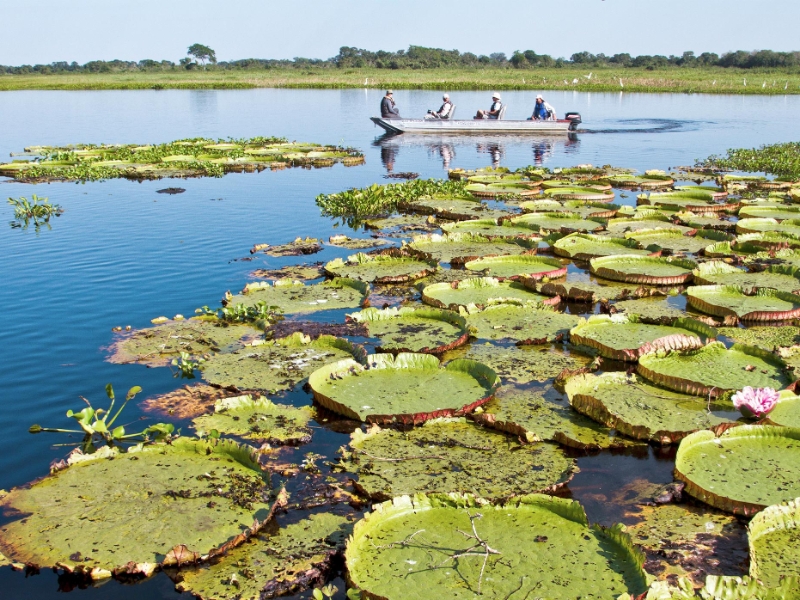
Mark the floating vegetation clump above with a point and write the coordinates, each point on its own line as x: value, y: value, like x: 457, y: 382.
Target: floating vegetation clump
x: 525, y: 268
x: 198, y: 157
x: 759, y: 305
x: 778, y: 277
x: 452, y: 454
x: 481, y: 292
x: 490, y: 228
x: 294, y: 297
x: 778, y: 159
x: 389, y: 267
x: 36, y: 211
x: 648, y: 270
x: 520, y: 323
x: 583, y: 246
x: 562, y: 222
x: 459, y: 248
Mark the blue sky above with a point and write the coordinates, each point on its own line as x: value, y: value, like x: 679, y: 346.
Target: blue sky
x: 43, y: 31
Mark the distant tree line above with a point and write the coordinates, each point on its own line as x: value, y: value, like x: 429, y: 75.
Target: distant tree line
x: 419, y: 57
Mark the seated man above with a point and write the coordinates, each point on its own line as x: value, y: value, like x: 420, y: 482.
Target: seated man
x: 494, y: 109
x: 542, y: 111
x: 444, y: 111
x: 388, y: 108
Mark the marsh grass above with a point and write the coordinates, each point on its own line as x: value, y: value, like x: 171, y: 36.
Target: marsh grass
x: 716, y: 80
x: 782, y: 160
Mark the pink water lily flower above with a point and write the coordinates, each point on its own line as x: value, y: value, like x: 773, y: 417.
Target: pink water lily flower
x: 755, y: 402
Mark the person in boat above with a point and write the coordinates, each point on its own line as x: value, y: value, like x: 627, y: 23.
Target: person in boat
x: 543, y: 111
x: 444, y: 111
x: 388, y: 108
x: 494, y: 109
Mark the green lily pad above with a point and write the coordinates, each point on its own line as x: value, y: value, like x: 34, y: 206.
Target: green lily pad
x: 288, y: 560
x: 621, y: 226
x: 518, y: 267
x: 427, y: 330
x: 277, y: 365
x: 489, y: 228
x: 743, y: 470
x: 294, y: 297
x: 456, y: 209
x: 299, y: 246
x: 766, y: 337
x: 760, y: 305
x: 258, y: 419
x: 400, y: 224
x: 651, y: 310
x: 408, y: 388
x: 767, y: 240
x: 392, y: 267
x: 303, y: 272
x: 757, y: 225
x: 633, y: 181
x: 623, y: 337
x: 787, y: 411
x: 480, y: 291
x: 536, y: 416
x: 441, y: 544
x: 648, y: 270
x: 520, y: 323
x: 642, y: 411
x: 342, y: 241
x: 701, y: 220
x: 587, y: 210
x: 714, y: 370
x: 779, y: 213
x: 779, y: 277
x: 774, y: 535
x: 581, y: 286
x: 525, y: 364
x: 580, y: 193
x: 564, y: 222
x: 155, y: 346
x: 675, y: 240
x: 788, y: 256
x: 132, y: 512
x: 503, y: 188
x: 585, y: 246
x: 452, y: 455
x: 692, y: 200
x: 458, y: 248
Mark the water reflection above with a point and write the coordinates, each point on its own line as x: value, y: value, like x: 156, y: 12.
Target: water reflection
x: 493, y: 148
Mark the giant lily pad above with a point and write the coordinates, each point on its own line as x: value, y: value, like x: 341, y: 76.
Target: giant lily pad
x: 622, y: 337
x: 621, y: 226
x: 520, y: 323
x: 287, y: 560
x: 525, y: 364
x: 743, y: 470
x: 714, y: 370
x: 293, y: 297
x: 757, y: 225
x: 258, y: 419
x: 645, y: 182
x: 390, y: 267
x: 675, y: 240
x: 132, y: 512
x: 693, y: 200
x: 564, y: 222
x: 580, y: 193
x: 767, y: 240
x: 761, y: 305
x: 503, y: 188
x: 458, y: 248
x: 457, y: 547
x: 766, y: 337
x: 480, y: 291
x: 452, y: 455
x: 277, y: 365
x: 642, y: 411
x: 428, y: 330
x: 457, y: 209
x: 303, y: 272
x: 518, y: 267
x: 408, y: 387
x: 651, y: 310
x: 489, y: 228
x: 643, y: 269
x: 585, y: 246
x: 581, y: 286
x: 786, y: 411
x: 779, y: 277
x: 155, y: 346
x: 537, y: 415
x: 774, y: 535
x: 779, y: 213
x: 704, y: 220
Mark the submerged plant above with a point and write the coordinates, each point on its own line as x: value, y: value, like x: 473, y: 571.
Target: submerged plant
x: 96, y: 425
x: 186, y: 365
x: 755, y: 402
x: 36, y: 210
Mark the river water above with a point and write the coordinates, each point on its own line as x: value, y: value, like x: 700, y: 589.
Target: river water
x: 122, y: 254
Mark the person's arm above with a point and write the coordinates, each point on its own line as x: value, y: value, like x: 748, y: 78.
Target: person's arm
x: 551, y: 111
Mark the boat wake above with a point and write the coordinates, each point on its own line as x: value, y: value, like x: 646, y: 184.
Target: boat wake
x: 644, y: 126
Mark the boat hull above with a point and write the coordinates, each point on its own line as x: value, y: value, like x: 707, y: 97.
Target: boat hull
x: 473, y: 126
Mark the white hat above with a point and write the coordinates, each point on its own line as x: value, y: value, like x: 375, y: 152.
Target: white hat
x: 539, y: 97
x: 496, y: 95
x: 446, y: 96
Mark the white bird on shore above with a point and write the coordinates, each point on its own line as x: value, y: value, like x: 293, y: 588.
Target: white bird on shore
x: 566, y: 82
x: 574, y: 81
x: 620, y: 82
x: 366, y: 82
x: 714, y: 82
x: 763, y: 85
x: 744, y: 82
x: 523, y: 80
x: 786, y: 87
x: 589, y: 76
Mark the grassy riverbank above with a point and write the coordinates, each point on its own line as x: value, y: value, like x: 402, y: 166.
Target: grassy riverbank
x: 710, y: 80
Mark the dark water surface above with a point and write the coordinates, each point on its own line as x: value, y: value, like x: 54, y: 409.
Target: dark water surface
x: 122, y: 254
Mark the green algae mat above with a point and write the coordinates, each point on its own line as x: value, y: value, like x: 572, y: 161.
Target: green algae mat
x: 458, y: 248
x: 197, y: 157
x: 760, y: 305
x: 133, y: 512
x: 648, y: 270
x: 407, y: 388
x: 391, y: 267
x: 279, y: 364
x: 519, y: 323
x: 257, y: 419
x: 743, y: 470
x: 480, y: 291
x: 585, y: 246
x: 287, y: 560
x: 518, y: 267
x: 452, y: 455
x: 714, y: 369
x: 456, y: 547
x: 294, y: 297
x: 642, y: 411
x: 620, y: 337
x: 427, y: 330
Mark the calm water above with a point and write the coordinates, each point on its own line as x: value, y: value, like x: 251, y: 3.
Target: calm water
x: 122, y: 254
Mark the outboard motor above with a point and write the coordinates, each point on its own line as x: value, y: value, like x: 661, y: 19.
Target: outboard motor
x: 574, y: 118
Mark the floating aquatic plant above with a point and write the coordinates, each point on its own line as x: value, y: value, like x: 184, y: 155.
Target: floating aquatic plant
x: 36, y: 210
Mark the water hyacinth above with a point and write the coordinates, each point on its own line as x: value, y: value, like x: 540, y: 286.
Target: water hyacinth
x: 755, y: 402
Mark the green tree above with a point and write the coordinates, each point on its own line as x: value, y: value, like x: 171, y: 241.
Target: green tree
x: 202, y: 53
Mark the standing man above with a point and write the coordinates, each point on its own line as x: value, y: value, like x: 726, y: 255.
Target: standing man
x: 388, y: 108
x: 494, y: 109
